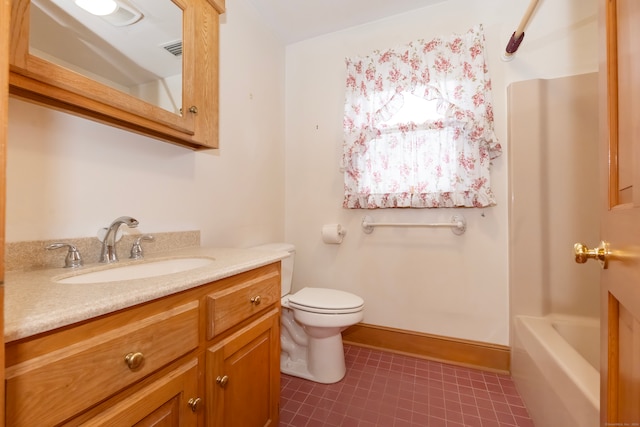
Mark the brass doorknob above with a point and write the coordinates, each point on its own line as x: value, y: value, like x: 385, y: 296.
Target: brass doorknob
x: 601, y: 253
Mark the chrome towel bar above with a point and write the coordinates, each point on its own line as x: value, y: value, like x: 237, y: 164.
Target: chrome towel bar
x: 458, y: 224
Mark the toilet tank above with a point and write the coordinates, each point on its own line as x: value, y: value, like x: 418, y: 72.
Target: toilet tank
x: 287, y: 264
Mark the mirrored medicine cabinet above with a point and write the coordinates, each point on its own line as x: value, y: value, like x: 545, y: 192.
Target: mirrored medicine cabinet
x: 150, y: 66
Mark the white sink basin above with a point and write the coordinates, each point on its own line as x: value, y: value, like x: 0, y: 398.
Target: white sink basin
x: 137, y: 271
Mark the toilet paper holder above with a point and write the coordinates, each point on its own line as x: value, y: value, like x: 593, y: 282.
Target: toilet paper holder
x: 333, y: 233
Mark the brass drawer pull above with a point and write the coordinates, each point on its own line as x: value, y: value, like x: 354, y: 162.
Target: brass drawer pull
x: 222, y: 381
x: 255, y: 300
x: 194, y: 403
x: 134, y: 360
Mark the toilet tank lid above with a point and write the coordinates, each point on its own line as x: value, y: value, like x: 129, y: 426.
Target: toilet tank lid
x: 324, y: 298
x: 285, y: 247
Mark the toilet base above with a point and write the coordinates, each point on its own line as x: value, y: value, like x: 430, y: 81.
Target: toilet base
x: 308, y: 353
x: 326, y: 368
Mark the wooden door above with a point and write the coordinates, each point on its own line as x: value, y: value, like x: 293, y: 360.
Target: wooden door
x: 620, y: 176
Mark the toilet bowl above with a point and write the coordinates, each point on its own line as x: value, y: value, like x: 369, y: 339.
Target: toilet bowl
x: 311, y: 324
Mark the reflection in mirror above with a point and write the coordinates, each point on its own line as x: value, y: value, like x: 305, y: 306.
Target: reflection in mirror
x: 137, y: 49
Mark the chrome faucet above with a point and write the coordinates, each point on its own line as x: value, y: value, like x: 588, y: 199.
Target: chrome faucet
x: 108, y: 254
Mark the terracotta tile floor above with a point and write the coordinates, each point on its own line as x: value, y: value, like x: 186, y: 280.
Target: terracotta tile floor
x: 390, y: 390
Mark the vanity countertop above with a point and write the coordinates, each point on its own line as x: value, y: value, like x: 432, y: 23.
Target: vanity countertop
x: 35, y: 303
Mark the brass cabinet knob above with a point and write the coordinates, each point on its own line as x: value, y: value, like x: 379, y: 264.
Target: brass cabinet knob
x: 194, y: 403
x: 601, y: 253
x: 134, y: 360
x: 255, y: 300
x: 193, y: 109
x: 222, y: 381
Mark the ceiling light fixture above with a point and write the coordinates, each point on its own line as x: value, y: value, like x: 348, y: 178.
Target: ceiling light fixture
x: 98, y: 7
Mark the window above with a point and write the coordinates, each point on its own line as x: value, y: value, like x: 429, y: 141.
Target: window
x: 418, y: 126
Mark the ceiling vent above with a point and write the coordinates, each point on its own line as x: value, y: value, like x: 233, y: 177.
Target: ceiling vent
x: 174, y: 48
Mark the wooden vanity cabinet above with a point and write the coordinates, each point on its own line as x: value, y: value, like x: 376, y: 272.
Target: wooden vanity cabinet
x: 53, y: 377
x: 155, y: 364
x: 243, y: 369
x: 43, y: 82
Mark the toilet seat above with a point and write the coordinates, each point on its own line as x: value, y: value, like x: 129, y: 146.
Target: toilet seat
x: 325, y: 301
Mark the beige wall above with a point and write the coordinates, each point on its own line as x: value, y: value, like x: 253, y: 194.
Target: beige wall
x: 418, y: 279
x: 67, y: 176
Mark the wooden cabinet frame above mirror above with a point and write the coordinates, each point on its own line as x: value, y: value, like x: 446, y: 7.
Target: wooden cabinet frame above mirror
x: 42, y: 82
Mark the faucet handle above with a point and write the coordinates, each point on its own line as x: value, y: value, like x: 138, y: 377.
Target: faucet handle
x: 136, y: 249
x: 73, y: 258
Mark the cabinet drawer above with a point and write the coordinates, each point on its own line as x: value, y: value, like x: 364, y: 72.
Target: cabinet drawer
x: 161, y: 403
x: 50, y: 388
x: 228, y: 307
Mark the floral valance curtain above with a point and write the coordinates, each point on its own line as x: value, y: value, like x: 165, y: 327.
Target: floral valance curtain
x: 441, y: 156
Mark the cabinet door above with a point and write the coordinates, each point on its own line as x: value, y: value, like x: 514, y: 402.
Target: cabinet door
x: 168, y: 402
x: 243, y: 376
x: 191, y: 119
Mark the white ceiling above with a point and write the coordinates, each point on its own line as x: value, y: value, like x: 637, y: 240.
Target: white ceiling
x: 131, y: 55
x: 296, y: 20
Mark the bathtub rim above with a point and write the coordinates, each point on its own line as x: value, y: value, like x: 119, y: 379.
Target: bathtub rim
x: 561, y: 320
x: 576, y: 382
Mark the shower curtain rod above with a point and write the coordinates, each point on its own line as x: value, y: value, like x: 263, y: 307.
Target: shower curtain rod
x: 518, y: 35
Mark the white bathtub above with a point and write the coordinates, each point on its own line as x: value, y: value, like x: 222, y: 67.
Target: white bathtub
x: 555, y: 364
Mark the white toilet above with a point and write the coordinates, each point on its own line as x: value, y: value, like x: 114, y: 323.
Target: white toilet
x: 311, y: 325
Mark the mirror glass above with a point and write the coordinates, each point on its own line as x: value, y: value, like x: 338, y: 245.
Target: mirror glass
x: 136, y: 49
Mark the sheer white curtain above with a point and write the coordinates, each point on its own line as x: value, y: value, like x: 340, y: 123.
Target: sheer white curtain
x: 418, y: 126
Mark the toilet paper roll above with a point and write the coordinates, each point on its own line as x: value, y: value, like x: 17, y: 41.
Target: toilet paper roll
x: 333, y: 233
